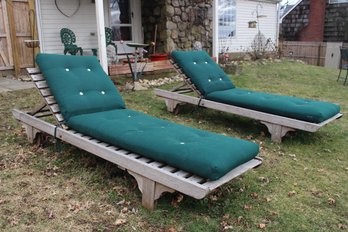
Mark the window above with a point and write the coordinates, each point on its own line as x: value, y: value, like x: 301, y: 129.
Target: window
x: 227, y: 18
x: 121, y: 19
x: 337, y: 1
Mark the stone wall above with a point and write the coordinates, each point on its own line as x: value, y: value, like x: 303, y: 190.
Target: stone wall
x: 154, y: 13
x: 180, y: 23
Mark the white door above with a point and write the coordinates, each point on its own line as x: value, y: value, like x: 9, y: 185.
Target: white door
x: 125, y: 21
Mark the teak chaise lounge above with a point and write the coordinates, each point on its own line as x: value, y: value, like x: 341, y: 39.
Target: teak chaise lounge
x: 216, y: 91
x: 162, y: 156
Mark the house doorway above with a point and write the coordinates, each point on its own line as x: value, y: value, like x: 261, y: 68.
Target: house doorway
x: 125, y: 22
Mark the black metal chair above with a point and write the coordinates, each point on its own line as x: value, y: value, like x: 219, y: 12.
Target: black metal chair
x: 68, y: 38
x: 108, y: 38
x: 343, y: 63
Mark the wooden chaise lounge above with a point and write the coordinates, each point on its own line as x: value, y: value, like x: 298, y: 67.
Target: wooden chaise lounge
x: 214, y: 90
x: 162, y: 156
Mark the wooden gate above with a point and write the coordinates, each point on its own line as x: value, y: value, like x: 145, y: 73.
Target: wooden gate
x: 17, y: 20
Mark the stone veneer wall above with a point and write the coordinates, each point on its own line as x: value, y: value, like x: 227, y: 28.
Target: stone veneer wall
x: 335, y: 26
x: 295, y: 21
x: 336, y: 23
x: 180, y: 23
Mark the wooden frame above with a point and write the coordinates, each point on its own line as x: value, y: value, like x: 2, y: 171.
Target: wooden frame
x: 277, y: 126
x: 153, y: 177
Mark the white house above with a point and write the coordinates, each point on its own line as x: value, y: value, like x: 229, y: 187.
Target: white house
x: 221, y: 24
x: 241, y: 23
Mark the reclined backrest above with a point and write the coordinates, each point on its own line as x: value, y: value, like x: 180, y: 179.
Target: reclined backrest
x: 205, y: 74
x: 79, y: 84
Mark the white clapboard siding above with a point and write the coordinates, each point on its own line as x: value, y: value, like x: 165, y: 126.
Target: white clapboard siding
x: 83, y: 23
x: 245, y: 12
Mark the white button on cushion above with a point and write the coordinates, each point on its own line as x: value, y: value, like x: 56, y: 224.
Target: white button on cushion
x: 206, y: 62
x: 81, y: 93
x: 220, y: 79
x: 88, y: 69
x: 102, y: 92
x: 67, y: 69
x: 194, y: 63
x: 209, y: 80
x: 182, y: 143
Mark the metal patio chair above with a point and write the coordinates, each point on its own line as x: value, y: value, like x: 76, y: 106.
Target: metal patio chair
x: 343, y: 63
x: 68, y: 38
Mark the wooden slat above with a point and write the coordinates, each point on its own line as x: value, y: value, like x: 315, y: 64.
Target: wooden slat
x: 197, y: 179
x: 37, y: 77
x: 182, y: 173
x: 144, y: 159
x: 33, y: 71
x: 41, y: 84
x: 45, y: 92
x: 50, y: 100
x: 168, y: 168
x: 55, y: 108
x: 156, y: 164
x: 59, y: 117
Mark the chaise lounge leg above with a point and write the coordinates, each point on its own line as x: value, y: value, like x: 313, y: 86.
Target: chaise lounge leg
x: 31, y: 133
x: 172, y: 106
x: 277, y: 131
x: 150, y: 190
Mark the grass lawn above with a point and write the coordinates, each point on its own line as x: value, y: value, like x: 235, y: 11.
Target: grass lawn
x: 301, y: 186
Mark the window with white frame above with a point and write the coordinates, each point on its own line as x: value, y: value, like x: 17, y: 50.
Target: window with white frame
x: 337, y: 1
x: 121, y: 19
x: 227, y: 18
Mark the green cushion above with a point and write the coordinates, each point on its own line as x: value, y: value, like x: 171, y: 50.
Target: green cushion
x: 206, y: 75
x: 79, y: 84
x: 292, y: 107
x: 200, y: 152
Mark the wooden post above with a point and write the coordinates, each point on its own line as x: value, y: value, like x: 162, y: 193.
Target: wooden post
x: 34, y: 25
x: 172, y: 105
x: 13, y: 37
x: 319, y: 54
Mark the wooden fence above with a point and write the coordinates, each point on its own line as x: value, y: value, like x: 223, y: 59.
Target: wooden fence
x: 315, y: 53
x: 17, y: 20
x: 310, y: 52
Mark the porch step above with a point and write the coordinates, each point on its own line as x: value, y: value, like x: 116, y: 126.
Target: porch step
x: 123, y: 68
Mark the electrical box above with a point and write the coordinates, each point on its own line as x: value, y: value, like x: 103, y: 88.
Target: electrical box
x: 332, y: 57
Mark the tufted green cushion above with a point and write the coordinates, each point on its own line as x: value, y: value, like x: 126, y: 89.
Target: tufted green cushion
x: 297, y: 108
x: 206, y: 154
x: 79, y: 84
x: 206, y: 75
